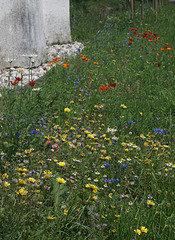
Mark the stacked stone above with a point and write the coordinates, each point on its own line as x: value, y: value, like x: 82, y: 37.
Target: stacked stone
x: 62, y: 52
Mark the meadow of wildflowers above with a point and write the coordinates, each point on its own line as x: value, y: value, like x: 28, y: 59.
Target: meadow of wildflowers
x: 87, y: 152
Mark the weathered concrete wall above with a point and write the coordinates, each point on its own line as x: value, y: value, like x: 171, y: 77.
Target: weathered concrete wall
x: 56, y: 21
x: 21, y: 31
x: 26, y: 26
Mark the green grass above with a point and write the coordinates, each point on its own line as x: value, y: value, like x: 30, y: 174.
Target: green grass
x: 114, y: 148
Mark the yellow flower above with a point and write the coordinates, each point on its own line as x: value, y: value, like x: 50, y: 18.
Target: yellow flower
x: 138, y: 231
x: 65, y: 212
x: 31, y: 180
x: 143, y: 229
x: 110, y: 195
x: 117, y: 216
x: 123, y: 106
x: 150, y: 203
x: 95, y: 188
x: 113, y: 230
x: 67, y: 110
x: 47, y: 172
x: 61, y: 180
x: 22, y: 181
x: 61, y: 164
x: 95, y: 198
x: 5, y: 176
x: 6, y: 184
x: 22, y: 191
x: 50, y: 218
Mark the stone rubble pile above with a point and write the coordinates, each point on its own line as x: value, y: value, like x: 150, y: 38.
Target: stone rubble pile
x: 62, y: 52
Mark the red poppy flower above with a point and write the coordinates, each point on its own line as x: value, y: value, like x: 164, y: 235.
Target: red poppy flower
x: 135, y: 29
x: 113, y: 84
x: 18, y: 79
x: 158, y: 64
x: 129, y: 44
x: 44, y: 68
x: 131, y: 40
x: 13, y: 83
x: 32, y: 83
x: 146, y: 53
x: 104, y: 88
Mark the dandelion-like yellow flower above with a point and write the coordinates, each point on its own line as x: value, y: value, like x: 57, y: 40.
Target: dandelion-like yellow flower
x: 31, y: 180
x: 67, y: 110
x: 123, y: 106
x: 6, y: 184
x: 61, y: 180
x: 95, y: 198
x: 150, y: 203
x: 22, y: 191
x: 50, y: 218
x: 143, y: 229
x: 138, y: 231
x: 5, y: 175
x: 61, y: 164
x: 65, y: 212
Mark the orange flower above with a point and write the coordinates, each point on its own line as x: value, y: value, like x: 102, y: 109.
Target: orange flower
x: 171, y: 56
x: 65, y: 65
x: 166, y: 44
x: 52, y: 63
x: 95, y: 63
x: 83, y: 57
x: 150, y: 39
x: 56, y: 59
x: 163, y: 49
x: 168, y: 48
x: 158, y: 38
x: 158, y: 54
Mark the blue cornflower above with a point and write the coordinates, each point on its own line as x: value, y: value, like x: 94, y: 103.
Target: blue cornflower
x: 107, y: 165
x: 75, y: 82
x: 124, y: 165
x: 34, y: 132
x: 158, y: 130
x: 130, y: 122
x: 115, y: 180
x: 107, y: 180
